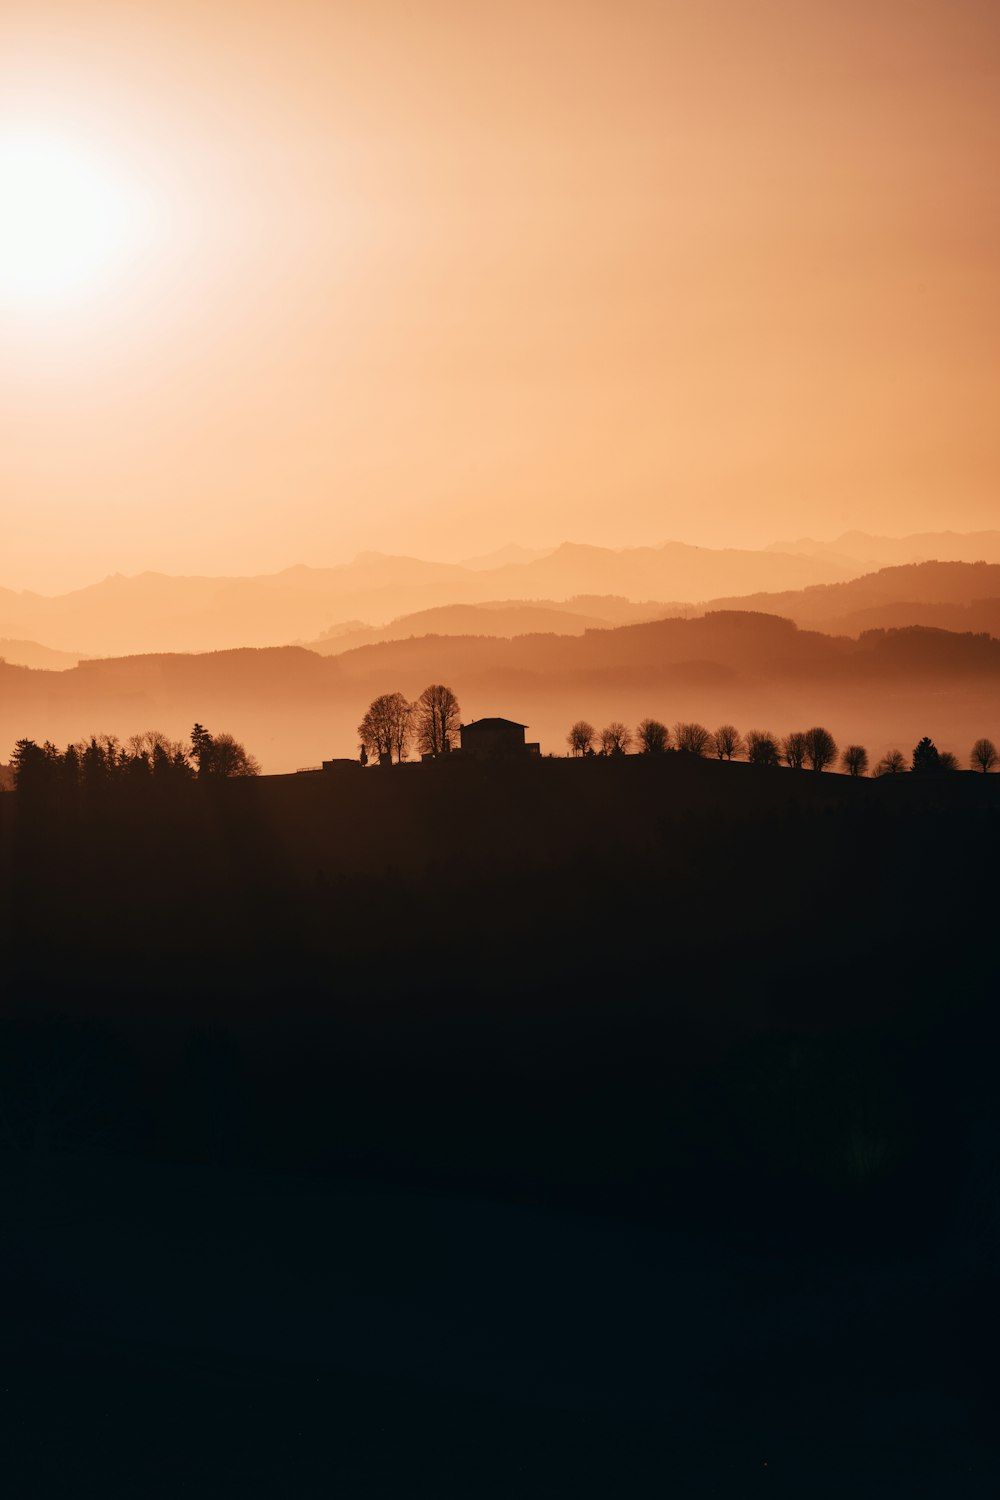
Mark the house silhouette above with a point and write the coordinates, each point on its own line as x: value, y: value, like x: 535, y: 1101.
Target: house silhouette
x: 495, y: 737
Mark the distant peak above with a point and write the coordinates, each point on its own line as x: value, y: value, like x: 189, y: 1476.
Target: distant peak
x: 504, y: 557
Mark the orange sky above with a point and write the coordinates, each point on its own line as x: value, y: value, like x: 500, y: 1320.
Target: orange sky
x: 432, y: 277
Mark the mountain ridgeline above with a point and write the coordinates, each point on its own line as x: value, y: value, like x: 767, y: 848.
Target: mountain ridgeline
x: 155, y: 612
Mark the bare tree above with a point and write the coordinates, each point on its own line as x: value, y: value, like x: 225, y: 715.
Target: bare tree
x: 727, y: 741
x: 947, y: 761
x: 653, y: 737
x: 983, y: 756
x: 580, y: 737
x: 855, y: 760
x: 436, y: 715
x: 762, y: 748
x: 386, y: 728
x: 615, y: 738
x: 793, y: 748
x: 230, y: 758
x: 892, y: 762
x: 693, y: 739
x: 821, y: 748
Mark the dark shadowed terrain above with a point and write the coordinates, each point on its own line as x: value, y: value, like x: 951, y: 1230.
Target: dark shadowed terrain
x: 623, y: 1126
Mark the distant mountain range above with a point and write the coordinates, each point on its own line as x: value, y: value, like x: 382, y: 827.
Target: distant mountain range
x: 568, y: 590
x: 156, y: 612
x: 294, y: 707
x: 869, y: 552
x: 31, y: 654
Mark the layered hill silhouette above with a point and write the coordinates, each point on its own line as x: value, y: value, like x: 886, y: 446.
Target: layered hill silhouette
x: 31, y: 654
x: 498, y: 618
x: 331, y: 607
x: 958, y: 596
x: 294, y: 707
x: 155, y: 612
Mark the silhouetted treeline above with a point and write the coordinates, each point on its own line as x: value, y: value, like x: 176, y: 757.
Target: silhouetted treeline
x: 815, y: 748
x: 93, y: 766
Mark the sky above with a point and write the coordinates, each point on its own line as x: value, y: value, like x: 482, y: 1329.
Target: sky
x: 297, y: 280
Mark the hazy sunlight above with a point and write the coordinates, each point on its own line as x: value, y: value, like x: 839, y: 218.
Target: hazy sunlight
x: 69, y: 221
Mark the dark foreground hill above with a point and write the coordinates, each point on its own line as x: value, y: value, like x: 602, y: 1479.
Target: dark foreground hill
x: 294, y: 708
x: 598, y: 1127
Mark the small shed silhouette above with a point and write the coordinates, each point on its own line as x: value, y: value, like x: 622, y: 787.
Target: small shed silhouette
x: 494, y: 737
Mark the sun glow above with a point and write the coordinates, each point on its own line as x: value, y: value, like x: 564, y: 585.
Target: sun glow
x: 69, y: 221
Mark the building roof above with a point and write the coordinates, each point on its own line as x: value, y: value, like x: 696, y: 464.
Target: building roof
x: 492, y: 724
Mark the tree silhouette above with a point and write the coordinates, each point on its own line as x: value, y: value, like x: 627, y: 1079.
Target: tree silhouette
x: 653, y: 737
x: 220, y: 754
x: 152, y: 753
x: 386, y: 728
x: 983, y: 756
x: 436, y: 719
x: 892, y: 762
x: 201, y: 745
x: 33, y: 765
x: 693, y: 739
x: 793, y: 748
x: 71, y: 768
x: 580, y: 737
x: 727, y: 741
x: 230, y: 758
x: 821, y: 748
x: 615, y: 738
x: 762, y: 748
x: 100, y: 761
x: 855, y: 760
x: 926, y: 756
